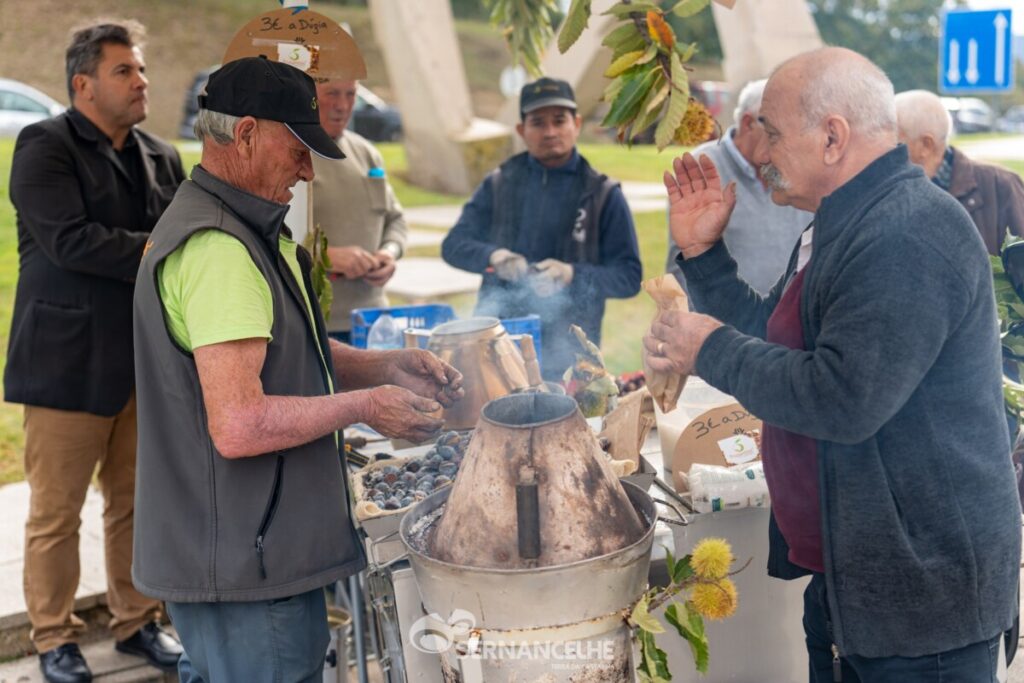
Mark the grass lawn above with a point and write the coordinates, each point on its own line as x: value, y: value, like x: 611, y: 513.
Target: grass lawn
x: 625, y: 320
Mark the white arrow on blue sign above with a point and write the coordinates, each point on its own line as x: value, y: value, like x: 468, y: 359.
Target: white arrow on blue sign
x: 976, y: 52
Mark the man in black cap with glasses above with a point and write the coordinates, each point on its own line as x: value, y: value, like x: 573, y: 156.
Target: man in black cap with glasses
x: 245, y: 511
x: 550, y: 235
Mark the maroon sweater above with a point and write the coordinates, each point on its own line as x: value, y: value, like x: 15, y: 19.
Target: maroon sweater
x: 791, y: 459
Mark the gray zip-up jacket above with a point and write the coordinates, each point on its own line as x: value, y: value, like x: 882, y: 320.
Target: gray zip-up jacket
x: 209, y: 528
x: 900, y: 386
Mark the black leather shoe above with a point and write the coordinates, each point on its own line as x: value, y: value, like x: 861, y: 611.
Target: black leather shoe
x: 65, y: 664
x: 159, y: 647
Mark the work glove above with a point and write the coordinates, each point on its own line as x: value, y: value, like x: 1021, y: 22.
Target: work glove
x: 508, y: 265
x: 550, y: 276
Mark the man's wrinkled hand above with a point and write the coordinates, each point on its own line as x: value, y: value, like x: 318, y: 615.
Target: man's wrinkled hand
x: 674, y: 340
x: 398, y: 413
x: 551, y: 276
x: 425, y: 374
x: 699, y: 208
x: 384, y: 269
x: 351, y: 262
x: 508, y: 265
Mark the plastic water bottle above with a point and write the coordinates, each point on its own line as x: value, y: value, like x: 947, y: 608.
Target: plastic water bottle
x: 384, y: 334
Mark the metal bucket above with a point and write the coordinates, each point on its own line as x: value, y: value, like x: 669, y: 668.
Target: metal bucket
x: 553, y: 623
x: 336, y: 662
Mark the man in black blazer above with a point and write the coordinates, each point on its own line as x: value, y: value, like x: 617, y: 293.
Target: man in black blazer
x: 88, y: 187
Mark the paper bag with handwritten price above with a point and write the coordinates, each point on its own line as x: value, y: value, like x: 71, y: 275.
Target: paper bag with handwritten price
x: 669, y: 296
x: 726, y: 436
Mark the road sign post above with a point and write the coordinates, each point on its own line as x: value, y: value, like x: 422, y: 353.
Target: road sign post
x: 976, y: 52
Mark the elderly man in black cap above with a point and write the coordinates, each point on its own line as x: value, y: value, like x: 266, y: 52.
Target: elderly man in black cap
x: 245, y: 513
x: 551, y: 235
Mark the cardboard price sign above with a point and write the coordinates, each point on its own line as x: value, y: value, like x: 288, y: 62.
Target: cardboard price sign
x: 716, y: 437
x: 307, y: 40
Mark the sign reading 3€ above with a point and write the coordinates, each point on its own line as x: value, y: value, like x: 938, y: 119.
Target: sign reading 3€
x: 976, y: 52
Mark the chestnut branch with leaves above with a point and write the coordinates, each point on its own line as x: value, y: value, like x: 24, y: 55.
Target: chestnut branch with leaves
x: 650, y: 81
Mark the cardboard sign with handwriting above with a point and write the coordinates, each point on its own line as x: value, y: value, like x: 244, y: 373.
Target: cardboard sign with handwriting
x: 716, y: 437
x: 307, y: 40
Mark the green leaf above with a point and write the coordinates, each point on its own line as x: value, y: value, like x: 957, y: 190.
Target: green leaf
x: 628, y: 101
x: 623, y: 9
x: 687, y: 8
x: 683, y: 570
x: 650, y: 110
x: 651, y: 53
x: 670, y: 561
x: 619, y: 35
x: 685, y: 52
x: 575, y: 21
x: 643, y: 619
x: 635, y: 43
x: 678, y: 101
x: 622, y: 63
x: 653, y: 667
x: 613, y: 89
x: 690, y: 626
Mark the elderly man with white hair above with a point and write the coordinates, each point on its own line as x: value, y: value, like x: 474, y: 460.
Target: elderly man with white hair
x: 875, y: 366
x: 760, y: 234
x: 242, y: 395
x: 992, y: 195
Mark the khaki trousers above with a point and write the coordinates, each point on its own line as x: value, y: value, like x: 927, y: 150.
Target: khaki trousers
x: 62, y: 450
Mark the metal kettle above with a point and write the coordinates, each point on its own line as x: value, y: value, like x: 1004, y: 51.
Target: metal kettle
x: 491, y: 363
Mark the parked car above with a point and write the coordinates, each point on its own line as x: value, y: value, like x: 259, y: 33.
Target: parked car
x: 1012, y: 121
x: 21, y: 105
x: 372, y: 117
x: 970, y: 115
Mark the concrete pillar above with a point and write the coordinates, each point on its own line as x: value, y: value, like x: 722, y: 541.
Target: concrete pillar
x: 448, y: 149
x: 758, y: 35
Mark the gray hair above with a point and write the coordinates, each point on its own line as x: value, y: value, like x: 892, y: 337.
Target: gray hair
x: 920, y: 113
x: 86, y: 47
x: 213, y: 124
x: 749, y: 100
x: 853, y: 87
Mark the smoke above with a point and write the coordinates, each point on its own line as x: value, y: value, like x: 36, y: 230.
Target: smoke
x: 773, y: 177
x: 557, y: 308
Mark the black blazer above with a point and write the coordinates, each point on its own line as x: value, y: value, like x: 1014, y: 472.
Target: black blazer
x: 81, y: 233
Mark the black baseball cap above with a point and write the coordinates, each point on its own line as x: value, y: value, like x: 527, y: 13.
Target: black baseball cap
x: 264, y: 89
x: 546, y: 92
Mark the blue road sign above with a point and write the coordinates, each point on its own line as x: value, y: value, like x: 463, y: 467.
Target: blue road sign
x: 976, y: 52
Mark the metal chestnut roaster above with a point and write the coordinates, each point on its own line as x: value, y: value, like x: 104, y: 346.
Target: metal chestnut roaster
x: 541, y: 545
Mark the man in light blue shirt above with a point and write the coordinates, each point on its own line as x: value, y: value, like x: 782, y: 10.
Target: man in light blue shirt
x: 761, y: 235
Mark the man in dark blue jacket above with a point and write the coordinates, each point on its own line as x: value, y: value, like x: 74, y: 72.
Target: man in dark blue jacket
x: 550, y: 234
x: 875, y: 366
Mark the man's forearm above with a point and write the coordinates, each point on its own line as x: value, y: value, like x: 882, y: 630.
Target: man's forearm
x: 359, y: 368
x: 280, y: 422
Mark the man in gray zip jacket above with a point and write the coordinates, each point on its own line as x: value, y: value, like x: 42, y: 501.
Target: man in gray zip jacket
x: 875, y: 366
x: 243, y: 509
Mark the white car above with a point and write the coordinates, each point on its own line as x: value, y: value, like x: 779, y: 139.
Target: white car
x: 21, y: 105
x: 970, y: 114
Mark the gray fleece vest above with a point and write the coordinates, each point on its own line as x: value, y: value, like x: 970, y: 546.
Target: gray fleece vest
x: 209, y: 528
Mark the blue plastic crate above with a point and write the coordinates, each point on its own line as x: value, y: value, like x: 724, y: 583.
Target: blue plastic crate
x: 421, y: 317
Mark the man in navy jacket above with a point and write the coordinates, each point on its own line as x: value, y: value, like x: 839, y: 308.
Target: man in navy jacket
x: 875, y: 366
x: 551, y: 235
